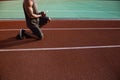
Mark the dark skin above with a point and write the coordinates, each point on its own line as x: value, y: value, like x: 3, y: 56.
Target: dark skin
x: 30, y: 8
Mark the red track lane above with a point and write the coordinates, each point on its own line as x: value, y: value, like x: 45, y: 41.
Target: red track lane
x: 98, y: 63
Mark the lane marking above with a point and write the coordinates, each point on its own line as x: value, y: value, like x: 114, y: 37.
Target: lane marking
x: 66, y: 29
x: 60, y: 48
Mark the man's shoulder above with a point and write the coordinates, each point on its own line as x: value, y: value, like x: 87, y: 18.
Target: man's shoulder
x: 29, y: 2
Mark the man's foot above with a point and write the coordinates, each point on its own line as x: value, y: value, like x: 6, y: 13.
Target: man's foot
x: 20, y: 36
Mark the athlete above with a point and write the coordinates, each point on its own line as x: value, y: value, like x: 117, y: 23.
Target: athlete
x: 34, y: 21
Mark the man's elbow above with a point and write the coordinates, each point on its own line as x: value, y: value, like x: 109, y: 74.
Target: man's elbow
x: 31, y: 16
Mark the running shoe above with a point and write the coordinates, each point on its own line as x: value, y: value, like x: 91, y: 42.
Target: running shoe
x: 20, y: 36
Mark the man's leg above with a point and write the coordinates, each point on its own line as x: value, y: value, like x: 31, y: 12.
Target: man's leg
x: 36, y: 33
x: 20, y: 36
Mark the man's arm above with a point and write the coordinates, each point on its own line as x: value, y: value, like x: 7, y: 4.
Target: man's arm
x: 28, y: 7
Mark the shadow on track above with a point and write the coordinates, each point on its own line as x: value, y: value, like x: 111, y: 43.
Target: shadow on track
x: 13, y: 42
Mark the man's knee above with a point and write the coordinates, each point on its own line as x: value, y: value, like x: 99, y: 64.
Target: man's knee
x: 36, y: 31
x: 40, y: 37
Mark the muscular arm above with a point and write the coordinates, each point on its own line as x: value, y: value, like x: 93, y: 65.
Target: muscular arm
x: 28, y: 7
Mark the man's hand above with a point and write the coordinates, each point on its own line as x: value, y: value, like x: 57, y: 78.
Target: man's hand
x: 43, y: 14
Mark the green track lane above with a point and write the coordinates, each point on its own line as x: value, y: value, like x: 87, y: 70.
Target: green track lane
x: 67, y: 9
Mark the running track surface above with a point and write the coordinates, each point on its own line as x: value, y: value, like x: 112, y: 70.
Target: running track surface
x: 70, y: 50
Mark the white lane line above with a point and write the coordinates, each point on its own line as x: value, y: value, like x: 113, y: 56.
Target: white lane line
x: 66, y: 29
x: 80, y: 28
x: 60, y: 48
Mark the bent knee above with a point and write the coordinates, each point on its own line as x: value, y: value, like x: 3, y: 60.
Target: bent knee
x: 40, y: 37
